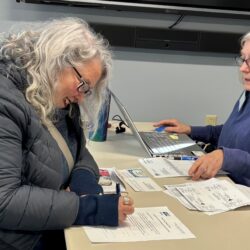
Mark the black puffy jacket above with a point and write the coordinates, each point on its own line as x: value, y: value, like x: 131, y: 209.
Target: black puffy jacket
x: 31, y: 174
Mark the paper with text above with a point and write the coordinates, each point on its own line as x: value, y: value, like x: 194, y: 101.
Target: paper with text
x: 137, y: 179
x: 212, y: 196
x: 150, y: 223
x: 162, y: 167
x: 172, y: 191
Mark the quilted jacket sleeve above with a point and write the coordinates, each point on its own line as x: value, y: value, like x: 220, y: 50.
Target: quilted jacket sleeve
x: 26, y: 207
x: 85, y: 174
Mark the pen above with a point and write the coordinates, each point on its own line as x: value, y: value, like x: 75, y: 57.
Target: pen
x: 118, y: 188
x: 183, y: 157
x: 189, y: 158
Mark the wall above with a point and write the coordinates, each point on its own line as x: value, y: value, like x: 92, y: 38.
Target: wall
x: 156, y: 84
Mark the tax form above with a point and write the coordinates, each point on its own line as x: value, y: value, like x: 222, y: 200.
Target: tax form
x: 211, y: 195
x: 137, y: 179
x: 161, y: 167
x: 149, y: 223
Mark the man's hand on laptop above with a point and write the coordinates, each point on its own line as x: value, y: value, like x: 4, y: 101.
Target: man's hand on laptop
x: 174, y: 126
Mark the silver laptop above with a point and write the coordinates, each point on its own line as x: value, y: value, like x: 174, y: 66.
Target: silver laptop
x: 160, y: 144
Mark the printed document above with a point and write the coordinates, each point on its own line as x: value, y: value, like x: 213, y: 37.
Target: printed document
x: 149, y: 223
x: 161, y: 167
x: 212, y: 195
x: 137, y: 179
x: 172, y: 191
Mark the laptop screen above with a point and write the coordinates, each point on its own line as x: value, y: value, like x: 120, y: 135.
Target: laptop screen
x: 159, y: 144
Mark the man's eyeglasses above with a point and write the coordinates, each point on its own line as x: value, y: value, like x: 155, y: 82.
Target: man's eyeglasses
x: 240, y: 60
x: 83, y: 86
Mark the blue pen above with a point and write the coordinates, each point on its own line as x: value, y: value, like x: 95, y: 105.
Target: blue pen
x: 160, y: 129
x: 182, y: 157
x: 188, y: 158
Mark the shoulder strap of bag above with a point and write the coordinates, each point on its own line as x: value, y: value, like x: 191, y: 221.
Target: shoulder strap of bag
x: 62, y: 145
x: 57, y: 136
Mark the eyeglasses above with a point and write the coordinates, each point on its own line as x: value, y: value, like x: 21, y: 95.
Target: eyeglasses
x: 83, y: 86
x: 240, y: 60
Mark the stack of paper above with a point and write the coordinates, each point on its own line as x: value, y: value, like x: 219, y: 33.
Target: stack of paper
x: 210, y: 196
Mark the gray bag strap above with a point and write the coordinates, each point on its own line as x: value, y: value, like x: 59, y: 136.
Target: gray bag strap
x: 57, y: 136
x: 62, y: 145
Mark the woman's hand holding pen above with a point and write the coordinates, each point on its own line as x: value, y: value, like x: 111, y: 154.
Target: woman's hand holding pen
x: 125, y: 207
x: 174, y: 126
x: 125, y: 204
x: 207, y: 166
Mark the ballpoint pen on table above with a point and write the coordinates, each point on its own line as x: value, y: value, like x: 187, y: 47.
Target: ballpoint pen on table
x: 182, y: 157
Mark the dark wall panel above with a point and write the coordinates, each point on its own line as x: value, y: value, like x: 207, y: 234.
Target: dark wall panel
x: 167, y: 39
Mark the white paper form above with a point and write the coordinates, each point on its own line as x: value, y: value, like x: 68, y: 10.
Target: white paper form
x: 244, y: 189
x: 172, y: 191
x: 160, y: 167
x: 213, y: 195
x: 151, y: 223
x: 137, y: 179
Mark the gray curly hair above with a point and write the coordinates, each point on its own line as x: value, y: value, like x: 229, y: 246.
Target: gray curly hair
x: 45, y: 50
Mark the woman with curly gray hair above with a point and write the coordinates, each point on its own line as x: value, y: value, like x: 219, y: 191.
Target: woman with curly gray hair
x: 52, y: 77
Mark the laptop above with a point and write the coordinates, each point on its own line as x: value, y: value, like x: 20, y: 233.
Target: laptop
x: 162, y: 144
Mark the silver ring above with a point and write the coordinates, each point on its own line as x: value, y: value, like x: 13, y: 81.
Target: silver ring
x: 126, y: 200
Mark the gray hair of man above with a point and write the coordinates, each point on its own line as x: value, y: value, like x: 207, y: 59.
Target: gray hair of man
x: 48, y: 48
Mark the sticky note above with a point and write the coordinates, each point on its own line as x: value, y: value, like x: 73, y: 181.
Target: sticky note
x: 174, y: 136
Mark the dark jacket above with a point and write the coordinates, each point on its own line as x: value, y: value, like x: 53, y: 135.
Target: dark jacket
x: 31, y: 172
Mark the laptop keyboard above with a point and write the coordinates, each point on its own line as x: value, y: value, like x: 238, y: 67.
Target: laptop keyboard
x: 162, y: 143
